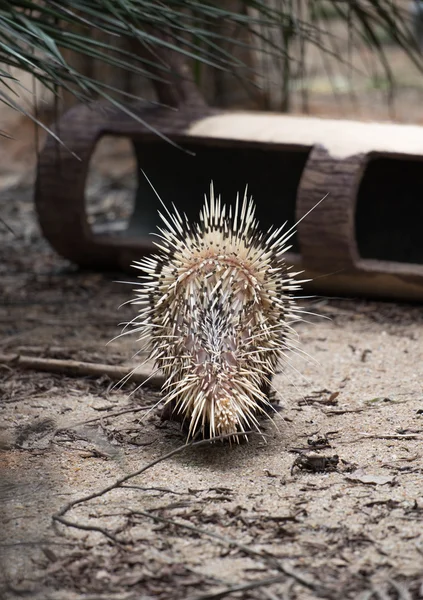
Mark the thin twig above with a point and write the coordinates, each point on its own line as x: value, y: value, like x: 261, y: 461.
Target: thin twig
x: 76, y: 368
x: 104, y: 416
x: 341, y: 411
x: 106, y: 534
x: 7, y: 226
x: 59, y: 515
x: 152, y: 489
x: 244, y: 587
x: 389, y: 436
x: 146, y: 467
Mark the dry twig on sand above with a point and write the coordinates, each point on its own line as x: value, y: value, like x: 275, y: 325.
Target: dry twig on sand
x: 76, y: 368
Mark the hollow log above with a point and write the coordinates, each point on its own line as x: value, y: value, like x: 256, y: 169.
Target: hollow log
x: 363, y: 238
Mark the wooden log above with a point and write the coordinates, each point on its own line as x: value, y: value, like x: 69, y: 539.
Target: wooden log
x: 364, y: 238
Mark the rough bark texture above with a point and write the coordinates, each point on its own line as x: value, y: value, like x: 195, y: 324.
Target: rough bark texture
x: 326, y: 236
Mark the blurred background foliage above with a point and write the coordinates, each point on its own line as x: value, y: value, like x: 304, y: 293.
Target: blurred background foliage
x: 269, y: 54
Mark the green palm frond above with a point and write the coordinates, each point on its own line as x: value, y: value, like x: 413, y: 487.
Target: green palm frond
x: 34, y: 35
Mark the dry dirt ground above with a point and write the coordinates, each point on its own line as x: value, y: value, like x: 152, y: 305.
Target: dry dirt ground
x: 213, y: 521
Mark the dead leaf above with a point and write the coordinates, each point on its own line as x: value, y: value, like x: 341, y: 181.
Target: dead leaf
x: 370, y: 479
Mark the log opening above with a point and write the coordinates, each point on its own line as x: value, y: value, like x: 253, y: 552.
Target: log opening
x: 389, y: 210
x: 272, y: 175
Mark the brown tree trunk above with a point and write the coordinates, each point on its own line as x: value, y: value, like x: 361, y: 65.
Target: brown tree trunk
x: 174, y: 85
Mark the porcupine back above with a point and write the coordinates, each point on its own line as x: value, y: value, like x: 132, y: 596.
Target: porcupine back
x: 216, y: 309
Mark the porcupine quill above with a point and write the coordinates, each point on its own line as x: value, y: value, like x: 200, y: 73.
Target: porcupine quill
x: 216, y: 313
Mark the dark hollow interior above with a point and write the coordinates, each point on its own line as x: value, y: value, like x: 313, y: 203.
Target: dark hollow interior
x: 389, y: 211
x: 272, y: 176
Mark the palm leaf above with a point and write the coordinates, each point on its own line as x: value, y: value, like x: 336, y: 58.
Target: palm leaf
x: 34, y: 33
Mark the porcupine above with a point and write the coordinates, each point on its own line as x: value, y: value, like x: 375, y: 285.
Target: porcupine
x: 217, y: 309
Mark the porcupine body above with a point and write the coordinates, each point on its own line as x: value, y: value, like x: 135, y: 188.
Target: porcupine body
x: 216, y: 309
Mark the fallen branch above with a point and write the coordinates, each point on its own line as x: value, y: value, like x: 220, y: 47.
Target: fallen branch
x: 83, y: 527
x: 389, y: 436
x: 244, y: 587
x: 105, y: 416
x: 118, y: 483
x: 76, y: 368
x: 342, y: 411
